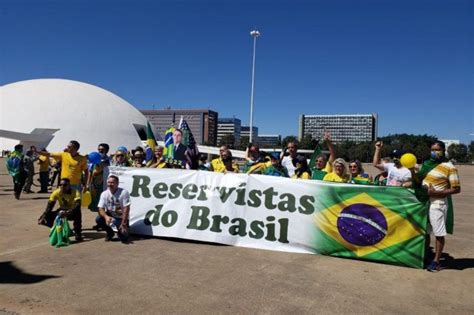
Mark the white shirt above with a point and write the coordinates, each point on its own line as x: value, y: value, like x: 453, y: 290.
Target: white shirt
x: 396, y: 176
x: 288, y: 163
x: 113, y: 204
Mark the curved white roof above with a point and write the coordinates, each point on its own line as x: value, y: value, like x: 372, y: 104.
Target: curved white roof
x: 77, y: 110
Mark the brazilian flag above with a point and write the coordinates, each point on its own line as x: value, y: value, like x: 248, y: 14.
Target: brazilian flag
x: 383, y: 224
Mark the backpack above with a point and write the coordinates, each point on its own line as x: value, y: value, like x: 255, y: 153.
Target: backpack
x: 14, y: 164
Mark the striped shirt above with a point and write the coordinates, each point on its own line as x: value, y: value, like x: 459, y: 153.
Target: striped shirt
x: 442, y: 177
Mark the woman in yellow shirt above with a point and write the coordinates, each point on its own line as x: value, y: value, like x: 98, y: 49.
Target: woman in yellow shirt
x: 302, y: 170
x: 339, y: 173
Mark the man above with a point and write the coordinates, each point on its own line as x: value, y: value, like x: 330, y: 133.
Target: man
x: 320, y: 165
x: 43, y: 162
x: 287, y: 161
x: 224, y: 163
x: 30, y: 159
x: 179, y: 149
x: 276, y: 169
x: 441, y: 180
x: 69, y: 207
x: 114, y: 209
x: 255, y: 162
x: 72, y: 165
x: 16, y: 169
x: 397, y: 174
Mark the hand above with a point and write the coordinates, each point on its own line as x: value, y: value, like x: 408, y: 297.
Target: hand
x: 379, y: 145
x: 108, y: 220
x: 41, y: 220
x: 62, y: 213
x: 327, y: 136
x: 84, y: 189
x: 123, y: 228
x: 431, y: 191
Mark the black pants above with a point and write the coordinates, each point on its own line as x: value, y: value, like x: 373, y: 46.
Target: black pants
x: 44, y: 181
x: 18, y: 184
x: 75, y: 216
x: 110, y: 232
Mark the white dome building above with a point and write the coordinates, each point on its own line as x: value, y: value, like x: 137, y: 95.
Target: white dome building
x: 51, y: 112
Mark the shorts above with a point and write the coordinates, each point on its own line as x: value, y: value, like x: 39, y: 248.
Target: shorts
x: 437, y: 216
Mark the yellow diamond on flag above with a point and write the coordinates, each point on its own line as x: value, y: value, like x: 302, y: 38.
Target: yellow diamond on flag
x: 363, y: 225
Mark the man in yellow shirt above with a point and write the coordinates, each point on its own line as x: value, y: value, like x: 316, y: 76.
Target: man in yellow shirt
x: 224, y: 163
x: 69, y: 207
x: 72, y: 165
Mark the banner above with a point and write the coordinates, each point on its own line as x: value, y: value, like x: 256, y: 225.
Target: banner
x: 385, y: 224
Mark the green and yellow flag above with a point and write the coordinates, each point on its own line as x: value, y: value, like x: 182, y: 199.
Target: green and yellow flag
x: 384, y: 224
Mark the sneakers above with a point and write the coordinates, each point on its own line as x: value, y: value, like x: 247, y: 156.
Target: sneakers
x: 108, y: 238
x: 434, y: 267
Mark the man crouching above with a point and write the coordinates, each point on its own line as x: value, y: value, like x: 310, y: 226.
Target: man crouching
x: 69, y: 207
x: 114, y: 209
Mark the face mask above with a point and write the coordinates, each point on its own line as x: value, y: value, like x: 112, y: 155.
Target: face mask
x: 436, y: 155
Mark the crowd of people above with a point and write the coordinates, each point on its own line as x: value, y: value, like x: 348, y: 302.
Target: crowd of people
x: 437, y: 178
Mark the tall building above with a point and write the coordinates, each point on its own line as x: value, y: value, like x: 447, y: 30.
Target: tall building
x: 269, y: 141
x: 229, y: 127
x: 245, y: 132
x: 202, y: 122
x: 356, y: 128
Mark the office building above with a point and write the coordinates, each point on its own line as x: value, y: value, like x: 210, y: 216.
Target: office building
x: 245, y: 132
x: 269, y: 141
x: 229, y: 127
x: 356, y: 128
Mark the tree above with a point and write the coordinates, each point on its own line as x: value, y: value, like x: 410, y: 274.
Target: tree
x: 458, y: 152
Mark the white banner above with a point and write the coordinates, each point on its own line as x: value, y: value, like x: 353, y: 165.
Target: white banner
x: 235, y: 209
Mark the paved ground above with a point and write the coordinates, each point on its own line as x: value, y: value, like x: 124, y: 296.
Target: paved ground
x: 168, y: 276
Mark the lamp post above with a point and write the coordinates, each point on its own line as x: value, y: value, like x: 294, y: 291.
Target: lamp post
x: 254, y: 34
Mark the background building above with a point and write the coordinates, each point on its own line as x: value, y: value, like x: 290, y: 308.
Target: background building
x: 229, y: 127
x: 48, y: 113
x: 269, y: 141
x: 356, y: 128
x: 202, y: 122
x: 245, y: 132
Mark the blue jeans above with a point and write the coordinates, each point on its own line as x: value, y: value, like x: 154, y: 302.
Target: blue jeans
x: 110, y: 232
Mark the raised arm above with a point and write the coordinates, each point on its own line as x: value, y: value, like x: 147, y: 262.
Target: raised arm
x: 376, y: 161
x: 332, y: 152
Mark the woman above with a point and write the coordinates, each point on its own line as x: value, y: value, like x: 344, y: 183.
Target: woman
x: 121, y: 159
x: 138, y: 159
x: 357, y: 174
x: 339, y: 173
x: 301, y: 168
x: 157, y: 161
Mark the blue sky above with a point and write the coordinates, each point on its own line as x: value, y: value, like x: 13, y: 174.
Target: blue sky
x: 411, y: 62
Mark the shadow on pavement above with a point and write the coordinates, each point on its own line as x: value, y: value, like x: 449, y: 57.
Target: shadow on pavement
x: 11, y: 274
x: 449, y: 262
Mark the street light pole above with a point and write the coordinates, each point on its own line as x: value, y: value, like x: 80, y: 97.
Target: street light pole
x: 254, y: 34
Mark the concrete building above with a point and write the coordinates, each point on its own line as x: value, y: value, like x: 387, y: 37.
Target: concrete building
x: 269, y: 141
x: 229, y: 127
x: 48, y: 113
x: 202, y: 122
x: 245, y: 132
x: 356, y: 128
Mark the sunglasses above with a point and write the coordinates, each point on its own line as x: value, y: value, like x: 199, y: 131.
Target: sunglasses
x: 353, y: 166
x: 64, y: 185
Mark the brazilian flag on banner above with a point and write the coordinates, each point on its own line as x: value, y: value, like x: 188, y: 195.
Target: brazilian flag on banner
x: 384, y: 224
